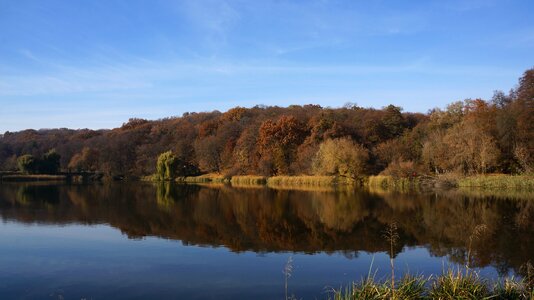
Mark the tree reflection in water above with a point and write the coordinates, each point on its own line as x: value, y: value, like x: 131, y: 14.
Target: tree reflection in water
x: 262, y: 219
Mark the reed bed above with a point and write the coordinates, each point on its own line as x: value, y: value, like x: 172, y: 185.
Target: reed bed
x: 206, y: 178
x: 40, y: 177
x: 389, y: 182
x: 301, y: 180
x: 248, y: 180
x: 498, y: 181
x: 307, y: 181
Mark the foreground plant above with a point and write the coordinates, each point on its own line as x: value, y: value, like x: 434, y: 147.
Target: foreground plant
x: 459, y: 285
x: 451, y: 285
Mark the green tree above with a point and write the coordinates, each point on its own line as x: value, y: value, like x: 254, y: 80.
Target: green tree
x: 50, y: 163
x: 26, y: 163
x: 166, y: 166
x: 393, y: 121
x: 342, y: 157
x: 169, y: 167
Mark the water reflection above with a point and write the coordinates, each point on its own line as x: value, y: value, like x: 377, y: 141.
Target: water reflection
x: 264, y: 219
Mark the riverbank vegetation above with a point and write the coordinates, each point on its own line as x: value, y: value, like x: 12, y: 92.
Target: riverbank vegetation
x: 460, y: 282
x: 452, y: 284
x: 468, y: 138
x: 31, y: 177
x: 497, y: 181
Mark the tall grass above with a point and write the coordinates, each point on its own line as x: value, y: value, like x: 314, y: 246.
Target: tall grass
x: 392, y: 236
x: 498, y: 181
x: 288, y: 270
x: 36, y: 177
x: 452, y: 284
x: 301, y: 180
x: 308, y: 181
x: 462, y: 283
x: 389, y: 182
x: 248, y: 180
x: 206, y: 178
x: 459, y: 285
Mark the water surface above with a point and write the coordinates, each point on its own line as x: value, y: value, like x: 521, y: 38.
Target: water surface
x: 136, y: 240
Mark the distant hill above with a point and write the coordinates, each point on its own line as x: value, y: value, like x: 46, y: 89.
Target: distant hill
x: 471, y: 136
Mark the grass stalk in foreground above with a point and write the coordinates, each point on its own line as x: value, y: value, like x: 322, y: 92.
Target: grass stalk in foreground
x: 452, y: 284
x: 462, y: 283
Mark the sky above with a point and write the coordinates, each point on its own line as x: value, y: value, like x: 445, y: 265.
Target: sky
x: 95, y: 64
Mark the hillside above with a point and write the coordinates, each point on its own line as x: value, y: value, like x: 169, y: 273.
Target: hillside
x: 470, y: 136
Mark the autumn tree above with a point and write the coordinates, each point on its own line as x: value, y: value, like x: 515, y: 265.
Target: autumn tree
x: 402, y: 169
x: 434, y: 153
x: 208, y: 151
x: 278, y: 142
x: 245, y: 156
x: 470, y: 150
x: 393, y: 121
x: 87, y: 160
x: 342, y: 157
x: 471, y: 136
x: 523, y: 107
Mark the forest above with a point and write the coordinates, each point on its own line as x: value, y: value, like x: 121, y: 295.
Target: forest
x: 473, y: 136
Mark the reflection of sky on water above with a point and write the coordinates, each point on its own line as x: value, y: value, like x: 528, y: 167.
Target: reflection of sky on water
x: 75, y: 261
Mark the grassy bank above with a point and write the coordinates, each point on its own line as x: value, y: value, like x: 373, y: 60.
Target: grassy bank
x: 206, y: 178
x: 450, y: 285
x: 26, y: 178
x: 301, y: 181
x: 389, y: 182
x: 490, y: 181
x: 308, y: 181
x: 498, y: 181
x: 248, y: 180
x: 255, y: 180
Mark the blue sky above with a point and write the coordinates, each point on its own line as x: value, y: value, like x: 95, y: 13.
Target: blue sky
x: 94, y: 64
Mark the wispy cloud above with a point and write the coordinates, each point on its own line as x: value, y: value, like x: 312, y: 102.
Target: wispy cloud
x: 213, y: 18
x: 155, y: 76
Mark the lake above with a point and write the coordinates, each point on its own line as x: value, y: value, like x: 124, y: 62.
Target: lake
x: 139, y: 240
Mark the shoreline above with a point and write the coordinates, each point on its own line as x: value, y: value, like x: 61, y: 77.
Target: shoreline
x: 488, y: 181
x: 59, y: 177
x: 424, y: 182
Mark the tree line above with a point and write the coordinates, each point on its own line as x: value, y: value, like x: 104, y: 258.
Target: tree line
x: 473, y: 136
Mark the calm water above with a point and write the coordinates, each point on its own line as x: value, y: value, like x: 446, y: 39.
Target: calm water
x: 138, y: 241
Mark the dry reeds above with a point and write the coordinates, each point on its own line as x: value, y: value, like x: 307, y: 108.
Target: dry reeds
x: 248, y: 180
x: 37, y: 177
x: 305, y: 181
x: 389, y: 182
x: 206, y: 178
x: 498, y: 181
